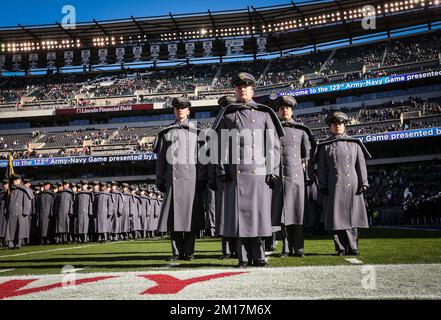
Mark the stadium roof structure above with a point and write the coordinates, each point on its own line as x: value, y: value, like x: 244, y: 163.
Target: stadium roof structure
x: 285, y: 27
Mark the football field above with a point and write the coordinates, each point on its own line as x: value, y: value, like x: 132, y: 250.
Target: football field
x: 402, y: 263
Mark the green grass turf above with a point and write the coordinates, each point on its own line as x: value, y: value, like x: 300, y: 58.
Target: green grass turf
x: 377, y: 246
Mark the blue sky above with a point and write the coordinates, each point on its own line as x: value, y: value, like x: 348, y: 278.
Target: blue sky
x: 30, y: 12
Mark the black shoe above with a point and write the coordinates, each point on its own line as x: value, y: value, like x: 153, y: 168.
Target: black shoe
x: 299, y: 254
x: 173, y: 258
x: 224, y: 256
x: 260, y: 263
x: 284, y: 255
x: 189, y: 257
x: 340, y: 253
x: 353, y: 253
x: 242, y: 265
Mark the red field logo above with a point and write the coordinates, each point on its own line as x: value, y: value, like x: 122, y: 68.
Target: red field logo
x: 165, y: 284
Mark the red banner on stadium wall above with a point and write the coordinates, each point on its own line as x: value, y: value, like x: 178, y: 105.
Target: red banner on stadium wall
x: 87, y: 110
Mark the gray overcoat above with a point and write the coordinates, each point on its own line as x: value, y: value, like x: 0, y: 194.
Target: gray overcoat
x: 288, y: 197
x: 83, y: 209
x: 182, y: 210
x: 341, y: 173
x: 246, y: 198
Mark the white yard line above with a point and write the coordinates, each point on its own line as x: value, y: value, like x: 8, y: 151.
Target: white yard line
x: 354, y: 260
x: 45, y: 251
x: 407, y: 228
x: 6, y: 270
x: 59, y: 249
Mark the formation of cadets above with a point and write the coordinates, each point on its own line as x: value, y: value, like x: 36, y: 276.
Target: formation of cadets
x: 252, y: 200
x: 77, y: 213
x: 243, y: 203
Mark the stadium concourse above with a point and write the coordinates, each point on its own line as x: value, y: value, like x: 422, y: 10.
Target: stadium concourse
x: 89, y: 127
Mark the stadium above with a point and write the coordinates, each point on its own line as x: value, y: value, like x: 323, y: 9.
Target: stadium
x: 86, y: 103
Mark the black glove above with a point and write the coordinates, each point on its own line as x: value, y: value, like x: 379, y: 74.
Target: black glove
x: 213, y: 186
x: 161, y: 187
x: 324, y: 191
x: 361, y: 190
x: 270, y: 180
x: 225, y: 178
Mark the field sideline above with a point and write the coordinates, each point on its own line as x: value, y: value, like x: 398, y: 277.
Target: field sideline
x: 407, y: 264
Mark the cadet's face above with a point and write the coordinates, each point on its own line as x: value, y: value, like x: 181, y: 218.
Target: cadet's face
x: 85, y: 186
x: 17, y: 182
x: 181, y: 114
x: 337, y: 128
x: 285, y: 112
x: 47, y: 187
x: 244, y: 93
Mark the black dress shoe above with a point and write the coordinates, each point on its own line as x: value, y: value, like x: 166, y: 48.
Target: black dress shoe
x: 242, y: 265
x: 224, y: 256
x: 299, y: 254
x: 353, y: 253
x: 260, y: 263
x: 340, y: 253
x: 173, y: 258
x: 189, y: 257
x: 284, y: 255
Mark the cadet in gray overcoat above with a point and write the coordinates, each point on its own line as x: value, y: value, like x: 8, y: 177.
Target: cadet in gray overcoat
x: 179, y: 175
x: 144, y: 208
x: 118, y: 205
x: 135, y: 213
x: 103, y: 209
x: 64, y: 210
x: 46, y: 212
x: 288, y: 198
x: 125, y: 217
x: 342, y: 177
x: 247, y: 169
x: 83, y: 210
x: 19, y: 205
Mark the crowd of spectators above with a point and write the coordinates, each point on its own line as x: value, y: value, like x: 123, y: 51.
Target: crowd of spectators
x: 415, y: 188
x: 316, y: 68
